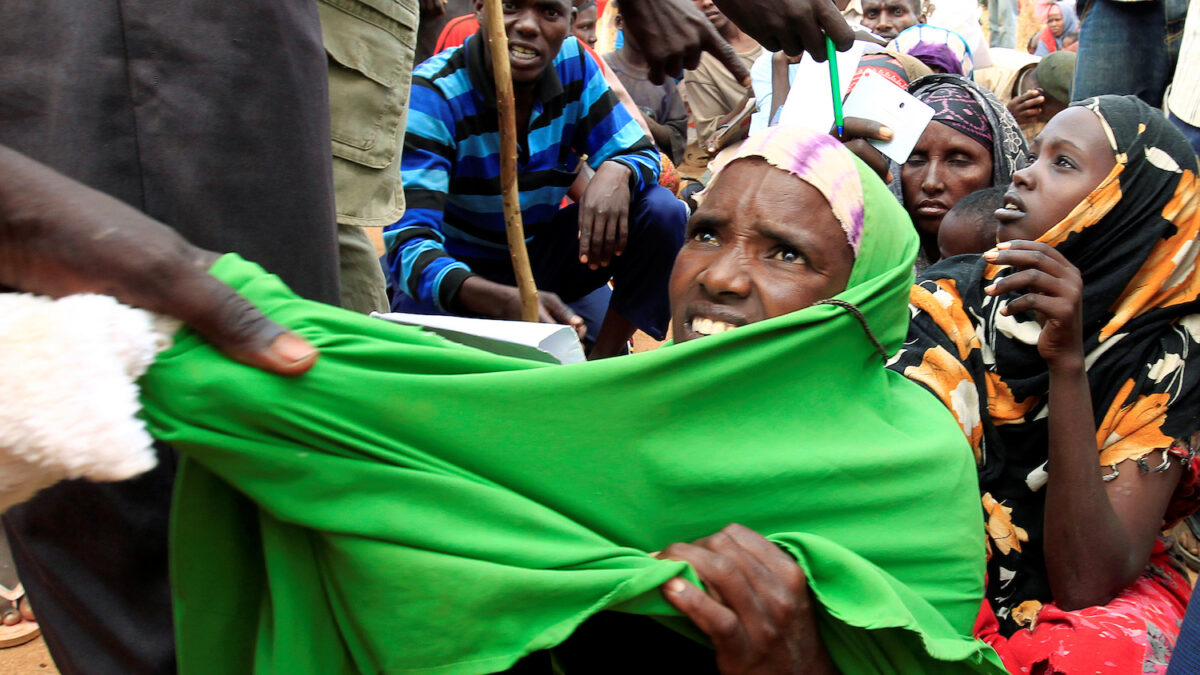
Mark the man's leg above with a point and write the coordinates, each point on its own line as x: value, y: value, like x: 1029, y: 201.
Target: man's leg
x: 93, y: 559
x: 640, y: 275
x: 361, y: 276
x: 1122, y: 50
x: 1002, y: 21
x: 1191, y: 133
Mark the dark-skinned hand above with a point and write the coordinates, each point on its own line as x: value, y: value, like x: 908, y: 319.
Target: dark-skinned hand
x: 58, y: 237
x: 481, y: 297
x: 1028, y: 106
x: 758, y: 610
x: 856, y: 132
x: 790, y: 26
x: 604, y: 215
x: 1053, y: 289
x: 673, y: 33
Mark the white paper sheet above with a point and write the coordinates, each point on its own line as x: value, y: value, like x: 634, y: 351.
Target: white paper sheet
x: 809, y: 104
x: 545, y: 342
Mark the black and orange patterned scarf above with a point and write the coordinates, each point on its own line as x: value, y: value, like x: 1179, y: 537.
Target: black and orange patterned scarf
x: 1135, y: 240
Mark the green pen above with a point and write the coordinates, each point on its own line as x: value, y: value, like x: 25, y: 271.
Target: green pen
x: 836, y: 86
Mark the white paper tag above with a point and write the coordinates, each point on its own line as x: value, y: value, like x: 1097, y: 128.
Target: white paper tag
x: 875, y: 98
x: 809, y: 104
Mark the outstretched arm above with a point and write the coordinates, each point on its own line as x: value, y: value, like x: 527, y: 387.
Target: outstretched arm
x: 59, y: 237
x: 673, y: 33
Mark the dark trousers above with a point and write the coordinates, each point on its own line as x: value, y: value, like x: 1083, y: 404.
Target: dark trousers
x: 212, y: 117
x: 93, y: 559
x: 639, y: 275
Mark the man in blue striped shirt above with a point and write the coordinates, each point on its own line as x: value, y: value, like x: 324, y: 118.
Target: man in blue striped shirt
x: 449, y: 254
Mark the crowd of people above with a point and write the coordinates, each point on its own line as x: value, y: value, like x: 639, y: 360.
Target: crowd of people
x: 930, y: 415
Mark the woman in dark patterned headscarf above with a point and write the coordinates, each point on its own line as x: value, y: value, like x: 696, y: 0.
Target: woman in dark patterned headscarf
x: 1077, y: 343
x: 972, y: 143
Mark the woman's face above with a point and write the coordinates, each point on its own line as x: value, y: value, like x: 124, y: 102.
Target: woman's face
x: 764, y: 243
x: 1054, y: 21
x: 945, y: 166
x: 1070, y: 158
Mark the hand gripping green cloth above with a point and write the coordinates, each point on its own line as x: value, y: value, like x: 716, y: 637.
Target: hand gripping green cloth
x: 416, y: 506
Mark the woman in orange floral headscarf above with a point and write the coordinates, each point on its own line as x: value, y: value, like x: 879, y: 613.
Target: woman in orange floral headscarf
x: 1063, y: 353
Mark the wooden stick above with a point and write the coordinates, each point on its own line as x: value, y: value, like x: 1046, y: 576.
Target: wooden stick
x: 506, y: 103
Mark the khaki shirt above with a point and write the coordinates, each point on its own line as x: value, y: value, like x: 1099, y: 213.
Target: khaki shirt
x: 370, y: 47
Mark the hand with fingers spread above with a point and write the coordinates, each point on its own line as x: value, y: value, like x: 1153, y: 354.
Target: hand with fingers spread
x: 671, y: 35
x: 604, y: 215
x: 758, y: 610
x: 1027, y: 107
x: 856, y: 131
x: 1053, y: 289
x: 790, y: 26
x: 481, y: 297
x: 58, y: 237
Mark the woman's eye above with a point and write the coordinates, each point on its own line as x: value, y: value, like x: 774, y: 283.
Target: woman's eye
x: 787, y: 255
x: 1064, y: 162
x: 705, y: 237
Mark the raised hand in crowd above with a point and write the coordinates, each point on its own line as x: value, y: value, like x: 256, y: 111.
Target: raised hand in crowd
x: 1027, y: 107
x: 790, y: 26
x: 673, y: 33
x: 856, y: 132
x: 59, y: 237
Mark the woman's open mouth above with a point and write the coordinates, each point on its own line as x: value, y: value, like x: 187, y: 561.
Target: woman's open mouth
x: 712, y: 323
x: 1013, y: 209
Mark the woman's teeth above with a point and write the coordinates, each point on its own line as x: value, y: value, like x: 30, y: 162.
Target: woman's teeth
x: 521, y: 51
x: 705, y: 326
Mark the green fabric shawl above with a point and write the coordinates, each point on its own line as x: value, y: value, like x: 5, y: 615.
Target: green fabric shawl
x: 415, y: 506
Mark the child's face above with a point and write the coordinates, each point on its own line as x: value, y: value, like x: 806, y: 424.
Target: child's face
x: 1071, y: 157
x: 964, y: 233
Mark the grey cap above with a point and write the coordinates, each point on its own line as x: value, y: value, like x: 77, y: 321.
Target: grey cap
x: 1054, y: 74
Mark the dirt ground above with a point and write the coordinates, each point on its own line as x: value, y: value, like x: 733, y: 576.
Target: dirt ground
x: 28, y: 659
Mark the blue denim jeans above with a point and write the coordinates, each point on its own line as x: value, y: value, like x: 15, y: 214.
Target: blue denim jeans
x: 1122, y: 50
x: 1192, y: 134
x: 1186, y: 658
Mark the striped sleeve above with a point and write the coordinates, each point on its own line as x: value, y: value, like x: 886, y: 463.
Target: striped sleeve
x: 418, y: 266
x: 606, y: 131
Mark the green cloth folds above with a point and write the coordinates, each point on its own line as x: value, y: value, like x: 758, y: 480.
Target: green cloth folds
x: 416, y: 506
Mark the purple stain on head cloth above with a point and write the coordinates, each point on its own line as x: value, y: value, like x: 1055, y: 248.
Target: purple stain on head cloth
x: 819, y: 160
x: 956, y: 108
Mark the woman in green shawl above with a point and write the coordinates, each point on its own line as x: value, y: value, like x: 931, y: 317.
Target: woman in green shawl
x: 412, y: 505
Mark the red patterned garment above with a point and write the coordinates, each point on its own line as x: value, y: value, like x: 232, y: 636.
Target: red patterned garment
x: 1134, y: 633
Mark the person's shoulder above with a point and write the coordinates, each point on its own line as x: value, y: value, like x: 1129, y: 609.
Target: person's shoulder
x: 444, y: 72
x: 703, y: 72
x: 571, y: 60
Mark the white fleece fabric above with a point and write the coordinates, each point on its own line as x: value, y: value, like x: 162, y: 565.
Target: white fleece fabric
x: 69, y: 398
